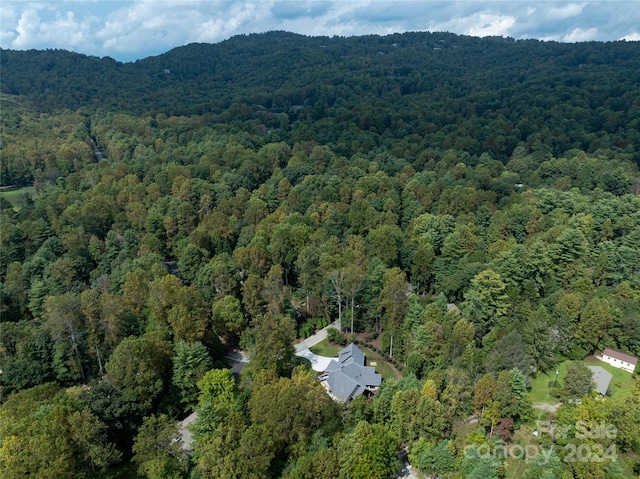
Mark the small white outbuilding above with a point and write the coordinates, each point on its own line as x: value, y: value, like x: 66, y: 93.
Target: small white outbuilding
x: 619, y: 359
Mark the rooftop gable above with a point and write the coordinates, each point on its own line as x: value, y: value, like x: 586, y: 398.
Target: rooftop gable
x: 348, y: 377
x: 342, y: 386
x: 351, y: 353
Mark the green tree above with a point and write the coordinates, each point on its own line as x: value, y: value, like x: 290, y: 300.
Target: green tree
x: 140, y: 369
x: 484, y: 390
x: 190, y: 363
x: 369, y: 452
x: 421, y: 267
x: 256, y: 452
x: 252, y: 299
x: 595, y: 320
x: 273, y: 290
x: 486, y: 303
x: 89, y: 435
x: 578, y: 382
x: 158, y: 449
x: 228, y: 318
x: 354, y: 275
x: 506, y: 399
x: 273, y: 344
x: 479, y: 466
x: 510, y: 352
x: 218, y: 454
x: 432, y: 459
x: 104, y: 316
x: 394, y: 300
x: 122, y: 418
x: 66, y: 325
x: 292, y: 410
x: 218, y: 277
x: 217, y: 386
x: 319, y: 463
x: 46, y: 432
x: 190, y: 260
x: 462, y: 334
x: 457, y: 392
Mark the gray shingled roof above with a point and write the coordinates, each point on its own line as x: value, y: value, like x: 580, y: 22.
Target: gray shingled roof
x: 351, y: 354
x: 602, y: 378
x: 349, y: 377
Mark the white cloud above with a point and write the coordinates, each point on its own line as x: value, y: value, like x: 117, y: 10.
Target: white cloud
x: 632, y: 37
x: 491, y: 25
x: 9, y: 18
x: 563, y: 12
x: 27, y: 30
x: 64, y: 30
x: 581, y: 35
x: 128, y: 29
x: 482, y: 24
x: 161, y: 25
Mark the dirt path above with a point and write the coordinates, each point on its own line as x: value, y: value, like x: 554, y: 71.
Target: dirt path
x: 547, y: 406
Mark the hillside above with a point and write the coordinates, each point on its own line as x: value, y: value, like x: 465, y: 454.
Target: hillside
x: 255, y: 190
x: 488, y: 93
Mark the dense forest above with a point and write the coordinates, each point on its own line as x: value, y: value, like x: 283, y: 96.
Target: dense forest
x: 470, y: 209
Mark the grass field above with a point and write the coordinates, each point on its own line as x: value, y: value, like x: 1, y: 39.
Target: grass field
x: 325, y: 348
x: 381, y: 364
x: 540, y: 384
x: 620, y: 386
x: 14, y: 196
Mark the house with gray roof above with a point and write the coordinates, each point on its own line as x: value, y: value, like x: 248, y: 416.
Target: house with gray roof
x: 601, y: 378
x: 347, y: 376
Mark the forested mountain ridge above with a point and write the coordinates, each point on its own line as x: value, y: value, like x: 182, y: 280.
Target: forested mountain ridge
x: 295, y: 179
x: 493, y: 92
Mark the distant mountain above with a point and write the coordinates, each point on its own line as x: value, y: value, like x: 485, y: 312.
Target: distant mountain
x: 578, y: 92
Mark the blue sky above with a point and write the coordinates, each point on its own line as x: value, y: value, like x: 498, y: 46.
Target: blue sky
x: 130, y: 30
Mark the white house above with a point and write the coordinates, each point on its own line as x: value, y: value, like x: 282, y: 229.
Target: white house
x: 619, y: 359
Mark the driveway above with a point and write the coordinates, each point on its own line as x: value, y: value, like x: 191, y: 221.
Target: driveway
x: 315, y: 338
x: 239, y: 360
x: 185, y: 433
x: 318, y: 363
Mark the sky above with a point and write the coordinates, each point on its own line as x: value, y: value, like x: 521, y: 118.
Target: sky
x: 131, y: 30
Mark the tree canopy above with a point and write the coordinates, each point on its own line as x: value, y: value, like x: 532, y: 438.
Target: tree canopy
x: 467, y: 208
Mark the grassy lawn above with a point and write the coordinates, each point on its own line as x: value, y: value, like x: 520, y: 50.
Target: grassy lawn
x: 540, y: 384
x: 325, y: 348
x: 620, y: 385
x: 515, y: 466
x: 381, y: 364
x: 14, y: 196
